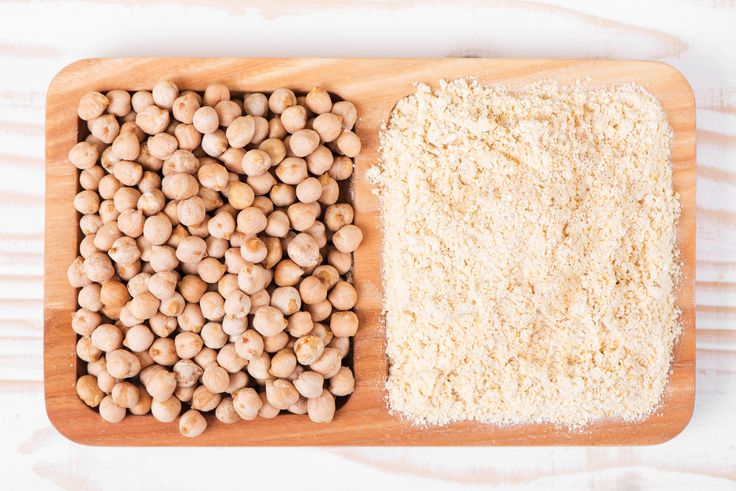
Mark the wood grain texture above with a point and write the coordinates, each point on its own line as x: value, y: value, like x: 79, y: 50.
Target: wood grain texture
x: 374, y: 86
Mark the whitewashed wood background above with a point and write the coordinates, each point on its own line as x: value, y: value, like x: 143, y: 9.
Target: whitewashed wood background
x: 37, y: 38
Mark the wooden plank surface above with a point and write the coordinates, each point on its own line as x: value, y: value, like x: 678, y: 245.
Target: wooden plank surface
x: 36, y: 42
x: 374, y: 86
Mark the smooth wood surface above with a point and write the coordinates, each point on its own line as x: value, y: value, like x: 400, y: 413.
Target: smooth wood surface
x: 374, y: 85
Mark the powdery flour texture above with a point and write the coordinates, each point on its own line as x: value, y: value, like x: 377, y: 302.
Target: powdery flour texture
x: 529, y: 259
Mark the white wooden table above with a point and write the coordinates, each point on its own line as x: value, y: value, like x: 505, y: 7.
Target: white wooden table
x: 37, y: 38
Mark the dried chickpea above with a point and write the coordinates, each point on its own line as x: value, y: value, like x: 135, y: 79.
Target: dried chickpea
x: 216, y: 379
x: 320, y: 160
x: 251, y: 221
x: 246, y: 403
x: 227, y: 112
x: 346, y: 110
x: 215, y: 93
x: 341, y: 261
x: 308, y: 349
x: 214, y: 143
x: 84, y: 155
x: 130, y: 222
x: 111, y: 412
x: 191, y: 250
x: 113, y: 294
x: 287, y: 273
x: 165, y: 93
x: 162, y: 145
x: 303, y: 142
x: 213, y: 336
x: 249, y: 345
x: 122, y: 364
x: 294, y: 118
x: 318, y: 101
x: 98, y: 267
x: 187, y: 373
x: 89, y: 224
x: 75, y: 273
x: 89, y: 297
x: 85, y: 321
x: 192, y: 288
x: 330, y: 190
x: 280, y: 99
x: 125, y: 394
x: 343, y: 382
x: 312, y: 290
x: 303, y: 250
x: 187, y: 136
x: 222, y: 225
x: 281, y: 393
x: 205, y: 120
x: 88, y: 391
x: 90, y: 178
x: 261, y: 132
x: 87, y: 202
x: 321, y: 409
x: 328, y: 126
x: 124, y: 251
x: 152, y: 119
x: 173, y: 306
x: 269, y: 321
x: 138, y: 338
x: 309, y: 384
x: 229, y: 359
x: 191, y: 318
x: 163, y: 258
x: 255, y: 104
x: 213, y: 176
x: 166, y: 411
x: 92, y: 105
x: 192, y: 423
x: 143, y: 406
x: 184, y: 107
x: 225, y: 411
x: 187, y: 344
x: 283, y: 362
x: 161, y: 385
x: 126, y: 146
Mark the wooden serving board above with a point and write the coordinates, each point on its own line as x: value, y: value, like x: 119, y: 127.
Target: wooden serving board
x: 374, y: 85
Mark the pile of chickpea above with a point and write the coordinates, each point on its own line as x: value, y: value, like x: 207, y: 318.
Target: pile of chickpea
x: 214, y: 272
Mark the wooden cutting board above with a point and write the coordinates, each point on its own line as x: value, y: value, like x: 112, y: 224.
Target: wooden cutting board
x: 374, y: 85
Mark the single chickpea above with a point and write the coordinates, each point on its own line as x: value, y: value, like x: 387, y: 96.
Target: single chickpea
x: 143, y: 406
x: 320, y: 311
x: 192, y: 424
x: 130, y: 222
x: 249, y: 345
x: 253, y: 250
x: 192, y: 288
x: 83, y: 155
x: 187, y: 137
x: 85, y: 321
x: 166, y: 411
x: 162, y: 145
x: 165, y: 93
x: 255, y: 104
x: 225, y: 411
x: 261, y: 132
x: 277, y: 224
x: 321, y: 409
x: 108, y: 158
x: 312, y: 290
x: 187, y: 344
x: 187, y: 373
x: 191, y: 211
x: 191, y: 319
x: 161, y: 385
x: 286, y: 299
x: 163, y: 284
x: 162, y: 325
x: 240, y: 195
x: 89, y: 297
x: 87, y: 202
x: 89, y: 224
x: 152, y: 119
x: 211, y: 199
x: 281, y: 393
x: 98, y: 268
x: 256, y: 162
x: 251, y: 221
x: 125, y: 394
x: 191, y: 250
x: 88, y: 391
x: 213, y: 176
x: 309, y: 384
x: 232, y: 159
x: 318, y: 101
x: 213, y: 336
x: 119, y: 103
x: 287, y: 273
x: 126, y: 318
x: 246, y: 403
x: 114, y: 294
x: 258, y: 367
x: 346, y: 110
x: 292, y: 170
x: 75, y: 273
x: 338, y: 215
x: 221, y: 226
x: 126, y: 146
x: 342, y: 296
x: 157, y: 229
x: 294, y: 118
x: 124, y: 251
x: 144, y: 306
x: 269, y: 321
x: 173, y: 306
x: 111, y: 412
x: 184, y: 107
x: 308, y: 349
x: 237, y: 304
x: 138, y: 338
x: 128, y: 173
x: 280, y: 99
x: 330, y: 190
x: 276, y: 128
x: 344, y: 324
x: 229, y: 359
x: 141, y: 100
x: 240, y: 131
x: 212, y: 306
x: 275, y: 252
x: 303, y: 250
x: 215, y: 93
x: 214, y: 143
x: 304, y: 142
x: 205, y: 120
x: 343, y: 382
x: 216, y: 379
x: 319, y: 233
x: 341, y: 344
x: 107, y: 212
x: 108, y: 186
x: 283, y: 195
x: 275, y: 149
x: 210, y: 270
x: 341, y: 261
x: 92, y: 105
x: 227, y: 112
x: 301, y: 216
x: 151, y: 202
x: 309, y: 190
x: 252, y: 278
x: 320, y: 160
x: 328, y: 125
x: 347, y: 239
x: 348, y: 144
x: 232, y: 326
x: 86, y: 351
x: 122, y: 364
x: 272, y: 344
x: 299, y: 407
x: 138, y: 284
x: 328, y: 363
